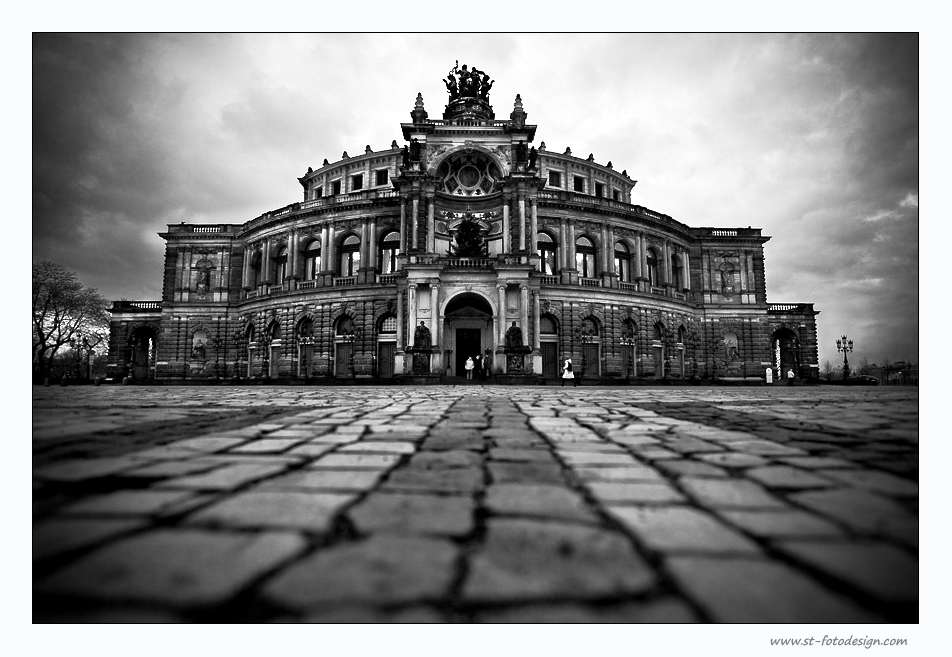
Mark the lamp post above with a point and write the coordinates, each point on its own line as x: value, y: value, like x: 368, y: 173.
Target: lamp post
x: 845, y: 346
x: 354, y: 336
x: 585, y: 336
x: 628, y: 340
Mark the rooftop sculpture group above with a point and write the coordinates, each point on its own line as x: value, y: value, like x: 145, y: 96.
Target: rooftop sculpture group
x: 463, y: 83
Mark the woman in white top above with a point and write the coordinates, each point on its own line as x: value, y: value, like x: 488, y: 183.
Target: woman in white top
x: 469, y: 367
x: 567, y: 373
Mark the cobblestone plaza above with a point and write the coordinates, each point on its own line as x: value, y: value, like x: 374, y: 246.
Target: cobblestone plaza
x: 475, y: 504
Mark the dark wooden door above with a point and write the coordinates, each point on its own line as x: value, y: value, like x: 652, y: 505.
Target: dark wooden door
x: 385, y: 353
x: 658, y: 362
x: 591, y: 360
x: 550, y: 360
x: 467, y: 346
x: 342, y: 359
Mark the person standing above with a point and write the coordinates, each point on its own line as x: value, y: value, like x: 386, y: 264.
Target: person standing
x: 469, y: 367
x: 567, y: 373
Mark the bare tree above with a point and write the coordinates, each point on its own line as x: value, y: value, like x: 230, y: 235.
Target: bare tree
x: 64, y: 311
x: 827, y: 370
x: 865, y: 367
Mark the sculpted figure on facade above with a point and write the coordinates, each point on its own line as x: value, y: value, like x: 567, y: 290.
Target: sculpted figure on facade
x: 513, y: 337
x: 421, y: 337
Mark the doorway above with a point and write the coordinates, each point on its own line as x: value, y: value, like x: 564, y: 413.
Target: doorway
x: 468, y: 345
x: 342, y: 359
x: 550, y: 360
x: 385, y: 354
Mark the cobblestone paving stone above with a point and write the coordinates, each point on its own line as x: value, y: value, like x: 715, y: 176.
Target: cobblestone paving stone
x: 488, y: 504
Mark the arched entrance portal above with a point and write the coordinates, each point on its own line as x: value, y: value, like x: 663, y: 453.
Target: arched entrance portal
x: 786, y: 353
x: 142, y: 347
x: 467, y: 331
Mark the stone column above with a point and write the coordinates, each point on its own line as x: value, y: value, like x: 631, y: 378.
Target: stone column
x: 687, y: 271
x: 501, y: 334
x: 534, y: 226
x: 524, y: 311
x: 430, y: 225
x: 536, y: 322
x: 412, y: 290
x: 403, y: 225
x: 436, y: 360
x: 606, y: 250
x: 563, y: 245
x: 639, y: 255
x: 666, y: 268
x: 506, y: 239
x: 364, y: 243
x: 416, y: 222
x: 571, y: 244
x: 331, y: 250
x: 246, y: 268
x: 266, y: 262
x: 372, y: 248
x: 522, y: 222
x: 294, y: 257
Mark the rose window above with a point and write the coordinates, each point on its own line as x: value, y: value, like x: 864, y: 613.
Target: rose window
x: 470, y: 174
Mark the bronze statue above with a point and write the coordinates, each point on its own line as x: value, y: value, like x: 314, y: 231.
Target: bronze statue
x: 451, y: 87
x: 421, y: 337
x: 405, y: 153
x: 533, y: 154
x: 513, y: 337
x: 415, y: 150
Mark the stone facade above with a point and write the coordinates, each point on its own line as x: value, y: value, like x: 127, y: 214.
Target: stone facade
x: 336, y: 285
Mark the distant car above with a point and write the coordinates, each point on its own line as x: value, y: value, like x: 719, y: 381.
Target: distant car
x: 864, y: 380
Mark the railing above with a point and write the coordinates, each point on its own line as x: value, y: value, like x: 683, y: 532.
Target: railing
x: 307, y: 285
x: 468, y: 263
x: 137, y: 305
x: 274, y: 289
x: 206, y: 229
x: 549, y: 280
x: 724, y: 233
x: 790, y: 308
x: 344, y: 281
x: 590, y: 282
x: 251, y: 294
x: 387, y: 279
x: 680, y: 296
x: 657, y: 290
x: 480, y: 123
x: 628, y: 287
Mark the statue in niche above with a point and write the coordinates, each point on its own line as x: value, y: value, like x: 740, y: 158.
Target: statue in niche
x: 514, y: 337
x: 414, y: 150
x: 730, y: 347
x: 421, y: 337
x: 198, y: 346
x: 204, y: 280
x: 533, y: 154
x: 405, y: 154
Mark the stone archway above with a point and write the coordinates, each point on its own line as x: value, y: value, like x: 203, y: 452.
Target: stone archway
x: 143, y: 344
x: 468, y: 332
x: 785, y: 353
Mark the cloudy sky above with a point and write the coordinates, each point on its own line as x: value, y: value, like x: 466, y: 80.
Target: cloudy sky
x: 813, y: 138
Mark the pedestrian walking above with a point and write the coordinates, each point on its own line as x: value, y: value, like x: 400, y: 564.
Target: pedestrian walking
x: 567, y: 373
x: 469, y: 367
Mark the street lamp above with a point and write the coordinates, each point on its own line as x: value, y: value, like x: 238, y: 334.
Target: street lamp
x: 845, y: 346
x: 585, y: 336
x: 355, y: 335
x: 628, y: 340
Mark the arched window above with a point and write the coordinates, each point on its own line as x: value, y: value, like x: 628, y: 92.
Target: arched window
x: 547, y: 254
x: 677, y: 272
x: 256, y: 269
x: 622, y: 262
x: 658, y: 331
x: 250, y: 333
x: 350, y: 256
x: 312, y: 260
x: 590, y: 327
x: 345, y: 326
x: 547, y: 325
x: 389, y: 250
x: 652, y: 261
x: 306, y: 330
x: 682, y: 335
x: 274, y: 332
x: 629, y: 330
x: 281, y: 265
x: 585, y: 253
x: 388, y: 325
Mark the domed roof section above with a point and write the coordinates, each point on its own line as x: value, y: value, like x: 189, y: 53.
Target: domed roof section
x: 469, y: 94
